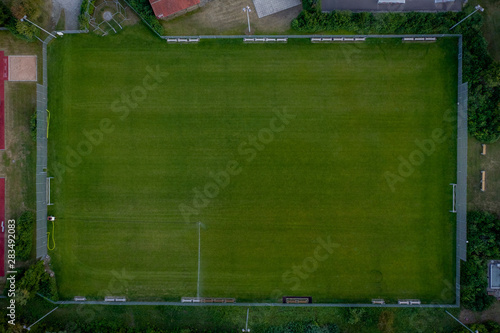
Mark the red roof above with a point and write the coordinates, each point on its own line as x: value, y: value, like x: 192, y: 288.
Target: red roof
x: 164, y: 8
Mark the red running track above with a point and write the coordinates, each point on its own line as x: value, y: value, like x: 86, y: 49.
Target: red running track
x: 4, y: 71
x: 3, y: 227
x: 4, y: 76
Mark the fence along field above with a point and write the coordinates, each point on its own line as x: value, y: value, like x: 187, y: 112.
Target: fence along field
x: 316, y: 179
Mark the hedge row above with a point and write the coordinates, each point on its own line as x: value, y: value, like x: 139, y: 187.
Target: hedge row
x: 480, y: 70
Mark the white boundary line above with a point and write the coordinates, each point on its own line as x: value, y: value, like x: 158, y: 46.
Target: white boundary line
x: 199, y: 259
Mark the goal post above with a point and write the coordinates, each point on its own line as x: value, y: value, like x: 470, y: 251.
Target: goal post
x: 454, y: 202
x: 48, y: 191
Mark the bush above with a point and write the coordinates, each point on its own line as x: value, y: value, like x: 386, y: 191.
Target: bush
x: 24, y: 231
x: 30, y: 280
x: 83, y: 18
x: 144, y: 10
x: 33, y: 126
x: 30, y: 8
x: 479, y: 70
x: 36, y: 280
x: 311, y: 5
x: 7, y: 19
x: 48, y: 287
x: 386, y: 322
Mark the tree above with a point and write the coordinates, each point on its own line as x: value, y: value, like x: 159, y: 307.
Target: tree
x: 22, y: 297
x: 484, y: 241
x: 30, y: 8
x: 493, y: 75
x: 26, y: 29
x: 30, y: 281
x: 6, y: 17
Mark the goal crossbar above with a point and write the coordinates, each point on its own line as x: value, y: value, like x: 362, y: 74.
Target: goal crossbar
x: 454, y: 203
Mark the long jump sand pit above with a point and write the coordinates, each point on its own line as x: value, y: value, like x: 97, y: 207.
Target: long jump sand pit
x: 23, y: 68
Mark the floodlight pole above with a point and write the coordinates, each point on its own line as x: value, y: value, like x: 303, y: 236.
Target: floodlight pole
x: 461, y: 322
x: 39, y: 27
x: 478, y: 7
x: 246, y: 329
x: 29, y: 327
x: 248, y: 10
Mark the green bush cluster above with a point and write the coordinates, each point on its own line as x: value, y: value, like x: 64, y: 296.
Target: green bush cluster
x: 143, y: 8
x: 33, y: 126
x: 83, y: 18
x: 311, y: 5
x: 35, y: 280
x: 484, y: 244
x: 480, y: 71
x: 33, y: 10
x: 311, y: 21
x: 24, y: 231
x: 48, y: 287
x: 20, y: 29
x: 7, y: 20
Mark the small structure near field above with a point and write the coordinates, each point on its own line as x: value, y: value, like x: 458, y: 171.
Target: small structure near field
x: 108, y: 16
x: 494, y: 278
x: 484, y: 149
x: 409, y: 302
x: 115, y: 299
x: 166, y: 8
x: 269, y: 7
x: 207, y: 300
x: 297, y: 299
x: 23, y: 68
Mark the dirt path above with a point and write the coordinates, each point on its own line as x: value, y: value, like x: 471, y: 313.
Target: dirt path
x: 71, y: 11
x: 476, y: 199
x: 493, y: 313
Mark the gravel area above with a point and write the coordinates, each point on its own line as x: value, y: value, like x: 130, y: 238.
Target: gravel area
x: 22, y: 68
x: 71, y: 12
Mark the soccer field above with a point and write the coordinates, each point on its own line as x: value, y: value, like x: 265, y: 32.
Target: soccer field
x: 315, y: 170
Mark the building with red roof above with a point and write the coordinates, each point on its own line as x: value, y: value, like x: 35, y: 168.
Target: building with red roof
x: 164, y: 8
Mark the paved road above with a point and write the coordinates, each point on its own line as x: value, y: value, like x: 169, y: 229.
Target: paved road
x: 71, y: 12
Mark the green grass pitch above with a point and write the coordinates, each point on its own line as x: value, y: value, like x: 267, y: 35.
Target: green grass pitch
x: 315, y: 170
